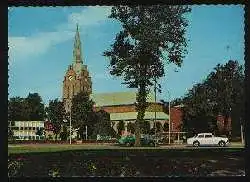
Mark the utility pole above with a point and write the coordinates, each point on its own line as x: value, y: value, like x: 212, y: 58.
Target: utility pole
x: 155, y: 111
x: 169, y: 118
x: 86, y: 131
x: 241, y: 132
x: 70, y: 126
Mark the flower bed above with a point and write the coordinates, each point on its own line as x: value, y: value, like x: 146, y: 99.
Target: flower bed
x: 122, y: 163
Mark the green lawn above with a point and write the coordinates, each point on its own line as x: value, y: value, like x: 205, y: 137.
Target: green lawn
x: 13, y: 149
x: 30, y: 148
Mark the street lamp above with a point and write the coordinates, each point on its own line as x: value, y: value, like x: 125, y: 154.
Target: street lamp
x: 70, y: 126
x: 159, y: 90
x: 169, y: 114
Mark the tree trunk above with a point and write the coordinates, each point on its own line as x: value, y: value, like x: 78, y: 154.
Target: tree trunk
x: 141, y: 108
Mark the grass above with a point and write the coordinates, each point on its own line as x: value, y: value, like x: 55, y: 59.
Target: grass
x: 31, y: 148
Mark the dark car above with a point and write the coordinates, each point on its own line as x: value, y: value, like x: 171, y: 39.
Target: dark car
x: 129, y: 140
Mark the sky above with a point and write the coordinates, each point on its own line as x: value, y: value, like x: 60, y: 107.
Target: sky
x: 41, y: 48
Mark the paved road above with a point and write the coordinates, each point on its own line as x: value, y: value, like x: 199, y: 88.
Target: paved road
x: 116, y: 146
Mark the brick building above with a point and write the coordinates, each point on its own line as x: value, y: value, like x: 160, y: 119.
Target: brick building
x: 224, y: 124
x: 121, y: 106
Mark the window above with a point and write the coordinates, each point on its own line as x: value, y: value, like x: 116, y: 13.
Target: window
x: 200, y: 136
x: 208, y: 136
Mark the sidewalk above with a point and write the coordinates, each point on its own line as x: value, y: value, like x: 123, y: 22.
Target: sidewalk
x: 184, y: 145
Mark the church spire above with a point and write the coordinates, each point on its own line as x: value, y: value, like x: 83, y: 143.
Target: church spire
x: 77, y: 53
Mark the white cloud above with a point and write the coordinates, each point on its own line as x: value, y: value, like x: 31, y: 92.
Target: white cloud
x: 87, y: 17
x: 22, y: 48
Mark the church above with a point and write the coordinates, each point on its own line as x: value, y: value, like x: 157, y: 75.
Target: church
x: 77, y: 77
x: 120, y: 105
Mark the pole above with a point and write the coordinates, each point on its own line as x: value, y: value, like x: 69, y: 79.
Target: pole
x: 169, y: 118
x: 155, y: 112
x: 86, y: 131
x: 70, y: 127
x: 242, y: 138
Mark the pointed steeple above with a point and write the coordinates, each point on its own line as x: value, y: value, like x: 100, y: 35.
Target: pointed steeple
x: 77, y: 52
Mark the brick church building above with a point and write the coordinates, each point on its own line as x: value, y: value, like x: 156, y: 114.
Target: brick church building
x: 120, y: 105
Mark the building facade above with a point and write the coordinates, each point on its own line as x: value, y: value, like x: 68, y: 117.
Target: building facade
x: 121, y: 107
x: 224, y: 124
x: 77, y: 77
x: 26, y: 130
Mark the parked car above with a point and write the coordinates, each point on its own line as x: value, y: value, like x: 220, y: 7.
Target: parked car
x: 207, y: 139
x: 129, y: 140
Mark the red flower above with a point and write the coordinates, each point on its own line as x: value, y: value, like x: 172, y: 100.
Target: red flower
x: 20, y: 158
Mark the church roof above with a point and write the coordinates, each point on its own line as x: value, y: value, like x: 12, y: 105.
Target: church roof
x: 117, y: 98
x: 133, y: 116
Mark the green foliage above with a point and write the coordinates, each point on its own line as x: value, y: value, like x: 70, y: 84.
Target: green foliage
x: 40, y: 132
x: 165, y: 127
x: 149, y: 35
x: 35, y: 106
x: 56, y: 114
x: 30, y: 108
x: 120, y: 127
x: 131, y: 127
x: 222, y: 92
x: 145, y: 127
x: 10, y: 134
x: 103, y: 125
x: 64, y: 134
x: 83, y: 114
x: 158, y: 127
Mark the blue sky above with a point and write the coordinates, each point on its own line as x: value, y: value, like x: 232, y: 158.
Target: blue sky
x: 41, y: 48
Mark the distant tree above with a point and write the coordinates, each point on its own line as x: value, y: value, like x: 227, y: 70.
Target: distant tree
x: 158, y: 127
x: 145, y: 127
x: 17, y: 109
x: 64, y: 134
x: 56, y: 114
x: 35, y: 107
x: 82, y: 113
x: 30, y: 108
x: 165, y: 127
x: 10, y: 134
x: 222, y: 92
x: 120, y: 127
x: 103, y: 125
x: 40, y: 132
x: 149, y: 35
x: 131, y: 127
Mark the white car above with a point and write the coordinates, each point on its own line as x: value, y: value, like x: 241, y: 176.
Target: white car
x: 207, y: 139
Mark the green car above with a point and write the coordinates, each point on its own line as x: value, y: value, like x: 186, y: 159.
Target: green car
x: 130, y: 140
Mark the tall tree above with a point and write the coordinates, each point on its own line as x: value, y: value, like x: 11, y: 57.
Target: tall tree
x: 35, y: 106
x: 82, y: 113
x: 56, y: 114
x: 149, y: 35
x: 145, y: 127
x: 120, y: 127
x: 17, y: 109
x: 165, y: 127
x: 131, y: 127
x: 222, y: 92
x: 103, y: 125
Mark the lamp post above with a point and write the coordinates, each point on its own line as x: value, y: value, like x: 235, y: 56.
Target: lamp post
x: 70, y: 126
x: 155, y: 111
x: 169, y: 118
x: 159, y: 90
